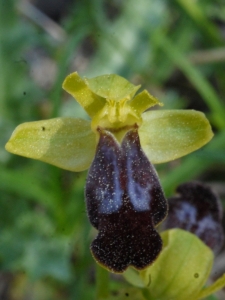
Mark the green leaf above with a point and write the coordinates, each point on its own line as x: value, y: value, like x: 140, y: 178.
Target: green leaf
x: 169, y: 134
x: 47, y: 257
x: 18, y: 182
x: 204, y: 88
x: 67, y: 143
x: 194, y: 10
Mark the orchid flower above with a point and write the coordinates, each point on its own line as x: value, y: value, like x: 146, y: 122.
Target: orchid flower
x: 119, y: 144
x: 70, y: 143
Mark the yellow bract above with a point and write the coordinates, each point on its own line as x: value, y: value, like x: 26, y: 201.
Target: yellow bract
x: 181, y: 270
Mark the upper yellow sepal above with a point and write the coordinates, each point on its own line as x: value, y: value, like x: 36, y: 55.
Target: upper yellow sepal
x: 108, y: 99
x: 112, y: 87
x: 78, y: 88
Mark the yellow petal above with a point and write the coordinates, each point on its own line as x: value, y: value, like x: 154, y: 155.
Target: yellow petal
x: 112, y: 87
x: 77, y: 87
x: 67, y: 143
x: 169, y: 134
x: 181, y: 269
x: 143, y: 101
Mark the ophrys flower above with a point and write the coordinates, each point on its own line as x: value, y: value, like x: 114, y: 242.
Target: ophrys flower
x: 110, y: 101
x: 124, y: 198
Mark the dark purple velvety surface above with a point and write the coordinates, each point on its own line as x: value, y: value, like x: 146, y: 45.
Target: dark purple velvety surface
x: 124, y: 202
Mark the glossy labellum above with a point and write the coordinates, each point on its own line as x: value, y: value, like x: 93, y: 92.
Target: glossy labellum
x: 197, y: 209
x: 124, y: 202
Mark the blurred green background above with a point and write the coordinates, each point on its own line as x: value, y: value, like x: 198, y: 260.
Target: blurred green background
x: 175, y: 49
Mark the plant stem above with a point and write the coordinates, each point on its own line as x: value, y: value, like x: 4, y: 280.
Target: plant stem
x: 102, y: 283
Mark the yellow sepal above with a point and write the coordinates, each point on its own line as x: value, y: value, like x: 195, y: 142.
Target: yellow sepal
x: 166, y: 135
x: 78, y: 88
x: 67, y: 143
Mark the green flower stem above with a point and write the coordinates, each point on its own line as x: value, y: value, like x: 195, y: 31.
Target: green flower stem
x: 102, y: 283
